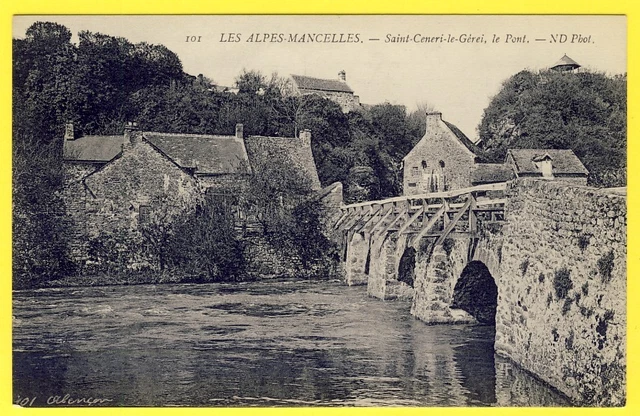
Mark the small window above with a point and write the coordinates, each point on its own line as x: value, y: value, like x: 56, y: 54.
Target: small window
x: 424, y: 164
x: 412, y: 184
x: 144, y: 214
x: 442, y: 163
x: 414, y: 171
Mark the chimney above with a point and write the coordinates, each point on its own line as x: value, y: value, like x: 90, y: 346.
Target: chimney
x: 433, y: 118
x: 342, y: 75
x: 239, y: 131
x: 305, y: 137
x: 68, y: 132
x: 131, y: 133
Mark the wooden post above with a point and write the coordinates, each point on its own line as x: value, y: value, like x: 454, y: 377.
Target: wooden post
x: 426, y: 228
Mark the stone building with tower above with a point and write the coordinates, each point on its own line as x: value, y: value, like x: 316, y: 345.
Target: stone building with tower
x: 335, y: 90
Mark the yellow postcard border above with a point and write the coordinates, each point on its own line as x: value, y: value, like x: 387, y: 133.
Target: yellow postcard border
x: 10, y: 8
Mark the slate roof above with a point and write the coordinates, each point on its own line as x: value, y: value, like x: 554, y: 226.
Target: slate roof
x: 96, y: 149
x: 565, y: 62
x: 310, y: 83
x: 491, y: 173
x: 463, y: 138
x: 263, y: 149
x: 211, y: 155
x: 563, y: 161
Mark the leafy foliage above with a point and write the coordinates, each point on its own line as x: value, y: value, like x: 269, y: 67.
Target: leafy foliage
x: 605, y: 266
x: 584, y: 111
x: 204, y: 243
x: 562, y: 283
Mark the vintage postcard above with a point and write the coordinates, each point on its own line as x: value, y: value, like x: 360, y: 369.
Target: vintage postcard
x: 319, y: 211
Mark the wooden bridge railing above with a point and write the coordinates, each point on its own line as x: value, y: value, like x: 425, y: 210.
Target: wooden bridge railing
x: 442, y: 214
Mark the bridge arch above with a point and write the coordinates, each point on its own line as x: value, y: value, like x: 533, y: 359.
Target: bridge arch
x: 407, y: 266
x: 476, y: 293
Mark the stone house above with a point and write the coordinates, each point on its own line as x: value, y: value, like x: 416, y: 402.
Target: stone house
x: 442, y: 160
x: 445, y: 159
x: 115, y: 183
x: 335, y: 90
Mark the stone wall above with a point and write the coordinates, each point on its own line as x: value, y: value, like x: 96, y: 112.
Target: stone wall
x: 438, y: 144
x: 105, y: 203
x: 74, y: 195
x: 347, y: 101
x: 140, y: 176
x: 562, y: 288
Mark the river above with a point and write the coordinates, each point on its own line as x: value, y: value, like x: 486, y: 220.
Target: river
x: 268, y: 343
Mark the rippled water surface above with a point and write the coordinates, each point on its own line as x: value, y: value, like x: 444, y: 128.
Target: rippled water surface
x: 290, y: 343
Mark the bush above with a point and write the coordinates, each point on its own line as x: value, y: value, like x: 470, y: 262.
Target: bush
x: 566, y: 307
x: 562, y: 283
x: 204, y: 244
x: 583, y: 241
x: 605, y: 266
x: 447, y: 245
x: 585, y: 288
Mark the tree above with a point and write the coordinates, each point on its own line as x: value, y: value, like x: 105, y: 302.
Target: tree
x: 251, y: 82
x: 583, y: 111
x: 204, y: 243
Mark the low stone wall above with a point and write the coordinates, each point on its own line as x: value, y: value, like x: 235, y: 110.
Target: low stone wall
x: 562, y: 288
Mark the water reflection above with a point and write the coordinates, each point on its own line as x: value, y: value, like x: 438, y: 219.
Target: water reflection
x: 253, y: 344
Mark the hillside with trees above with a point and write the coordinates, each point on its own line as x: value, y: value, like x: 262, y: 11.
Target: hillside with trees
x: 102, y: 82
x: 583, y: 111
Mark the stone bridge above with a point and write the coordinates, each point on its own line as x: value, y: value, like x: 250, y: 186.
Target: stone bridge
x: 545, y: 261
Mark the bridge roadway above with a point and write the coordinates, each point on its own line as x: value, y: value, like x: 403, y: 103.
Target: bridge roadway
x: 453, y: 214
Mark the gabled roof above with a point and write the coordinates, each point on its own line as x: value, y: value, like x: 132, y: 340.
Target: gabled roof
x: 310, y: 83
x: 208, y: 154
x: 463, y: 138
x: 290, y: 150
x: 563, y: 161
x: 491, y: 173
x: 565, y: 62
x: 95, y: 149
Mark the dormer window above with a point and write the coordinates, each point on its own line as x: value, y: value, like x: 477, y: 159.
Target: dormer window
x: 544, y: 165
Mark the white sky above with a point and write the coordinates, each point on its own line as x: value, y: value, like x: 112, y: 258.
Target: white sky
x: 458, y: 79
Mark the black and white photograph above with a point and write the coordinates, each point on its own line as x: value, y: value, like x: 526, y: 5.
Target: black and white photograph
x: 319, y: 211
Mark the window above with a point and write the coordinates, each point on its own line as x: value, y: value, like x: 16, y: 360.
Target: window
x: 144, y: 214
x: 414, y: 171
x: 424, y: 164
x: 442, y: 163
x: 412, y: 184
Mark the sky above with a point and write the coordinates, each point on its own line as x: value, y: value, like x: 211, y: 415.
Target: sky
x: 455, y: 63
